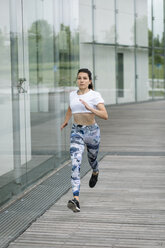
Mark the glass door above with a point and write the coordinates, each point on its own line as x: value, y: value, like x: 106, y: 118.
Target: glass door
x: 20, y: 92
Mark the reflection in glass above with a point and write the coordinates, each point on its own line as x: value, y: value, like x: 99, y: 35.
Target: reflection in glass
x: 53, y: 59
x: 45, y: 51
x: 6, y: 129
x: 156, y: 51
x: 158, y: 27
x: 159, y: 73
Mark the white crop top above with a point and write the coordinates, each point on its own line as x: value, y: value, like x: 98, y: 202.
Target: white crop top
x: 92, y: 98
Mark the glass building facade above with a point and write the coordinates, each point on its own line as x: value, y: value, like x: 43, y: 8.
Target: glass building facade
x: 42, y: 45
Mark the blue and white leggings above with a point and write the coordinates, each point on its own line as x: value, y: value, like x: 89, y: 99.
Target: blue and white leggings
x: 81, y: 136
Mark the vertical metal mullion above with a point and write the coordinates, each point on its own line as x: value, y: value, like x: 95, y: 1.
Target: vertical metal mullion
x: 54, y: 43
x: 37, y: 58
x: 135, y: 50
x: 153, y: 52
x: 25, y: 96
x: 164, y: 42
x: 116, y: 60
x: 93, y: 42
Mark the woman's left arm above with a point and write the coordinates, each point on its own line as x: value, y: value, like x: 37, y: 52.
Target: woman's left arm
x: 100, y: 111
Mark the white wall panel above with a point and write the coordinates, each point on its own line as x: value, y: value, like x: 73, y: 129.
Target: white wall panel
x: 142, y: 72
x: 105, y: 73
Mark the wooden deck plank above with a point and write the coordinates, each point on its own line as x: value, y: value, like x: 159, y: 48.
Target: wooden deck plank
x: 126, y: 209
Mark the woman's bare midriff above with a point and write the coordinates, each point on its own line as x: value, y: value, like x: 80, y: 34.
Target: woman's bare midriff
x: 86, y: 119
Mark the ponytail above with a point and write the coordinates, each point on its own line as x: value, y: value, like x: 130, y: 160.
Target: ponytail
x: 90, y: 86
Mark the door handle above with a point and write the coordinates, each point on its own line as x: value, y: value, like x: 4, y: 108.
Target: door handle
x: 20, y: 85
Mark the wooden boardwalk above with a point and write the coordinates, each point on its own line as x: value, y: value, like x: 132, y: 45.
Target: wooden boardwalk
x: 126, y: 209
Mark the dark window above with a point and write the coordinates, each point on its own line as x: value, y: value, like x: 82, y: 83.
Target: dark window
x: 120, y: 75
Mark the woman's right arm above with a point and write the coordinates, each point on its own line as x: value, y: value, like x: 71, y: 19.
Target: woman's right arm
x: 67, y: 118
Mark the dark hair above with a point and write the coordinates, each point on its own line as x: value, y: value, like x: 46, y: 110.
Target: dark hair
x: 90, y: 86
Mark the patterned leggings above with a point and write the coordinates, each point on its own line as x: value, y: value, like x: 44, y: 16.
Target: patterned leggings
x: 81, y: 136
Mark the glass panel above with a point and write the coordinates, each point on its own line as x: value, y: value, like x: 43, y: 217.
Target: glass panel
x: 150, y: 37
x: 86, y: 50
x: 53, y: 43
x: 6, y: 132
x: 149, y: 5
x: 141, y: 23
x: 150, y: 81
x: 85, y: 17
x: 17, y: 79
x: 41, y: 61
x: 125, y: 22
x: 17, y: 110
x: 158, y: 22
x: 23, y: 81
x: 159, y: 91
x: 104, y: 21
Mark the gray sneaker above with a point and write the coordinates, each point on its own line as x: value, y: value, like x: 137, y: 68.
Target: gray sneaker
x: 74, y: 205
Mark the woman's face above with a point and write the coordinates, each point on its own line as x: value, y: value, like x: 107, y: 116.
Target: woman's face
x: 83, y: 80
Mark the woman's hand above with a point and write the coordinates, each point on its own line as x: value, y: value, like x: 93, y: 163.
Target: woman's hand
x: 64, y: 125
x: 67, y: 118
x: 100, y: 111
x: 86, y: 105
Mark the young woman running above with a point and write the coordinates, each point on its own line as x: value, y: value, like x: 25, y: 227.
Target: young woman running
x: 85, y: 104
